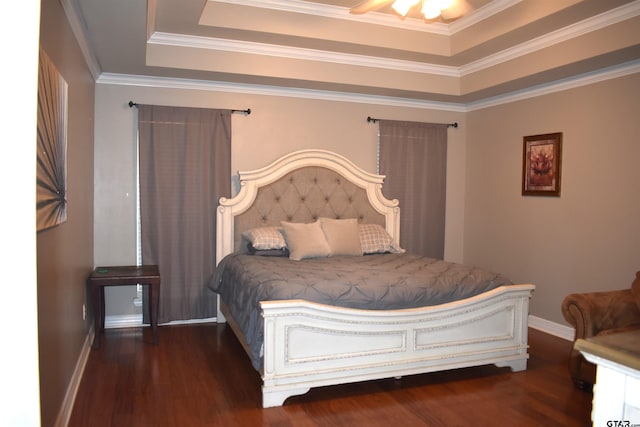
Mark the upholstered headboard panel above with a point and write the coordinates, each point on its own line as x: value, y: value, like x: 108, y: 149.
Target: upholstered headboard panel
x: 304, y: 195
x: 301, y: 187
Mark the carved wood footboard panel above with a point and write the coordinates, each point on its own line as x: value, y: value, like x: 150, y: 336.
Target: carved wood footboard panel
x: 309, y: 345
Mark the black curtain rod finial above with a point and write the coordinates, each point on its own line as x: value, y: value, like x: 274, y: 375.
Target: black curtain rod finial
x: 247, y: 111
x: 371, y: 119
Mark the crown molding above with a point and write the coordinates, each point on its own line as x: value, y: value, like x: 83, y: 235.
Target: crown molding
x: 480, y: 14
x: 337, y: 12
x: 377, y: 18
x: 254, y: 48
x: 578, y: 29
x: 206, y: 85
x: 78, y: 28
x: 585, y: 79
x: 586, y: 26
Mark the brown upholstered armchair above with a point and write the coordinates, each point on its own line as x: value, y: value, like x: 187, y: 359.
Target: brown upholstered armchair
x: 599, y: 313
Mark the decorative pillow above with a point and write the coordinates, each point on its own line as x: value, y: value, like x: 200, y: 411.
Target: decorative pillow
x: 305, y: 240
x: 263, y: 238
x: 267, y: 252
x: 342, y: 235
x: 375, y: 240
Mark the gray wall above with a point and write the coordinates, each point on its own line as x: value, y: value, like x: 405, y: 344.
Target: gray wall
x: 277, y: 125
x: 589, y: 238
x: 65, y: 252
x: 585, y: 240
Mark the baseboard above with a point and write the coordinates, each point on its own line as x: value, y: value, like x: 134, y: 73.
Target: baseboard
x: 64, y: 415
x: 123, y: 321
x: 552, y: 328
x: 135, y: 321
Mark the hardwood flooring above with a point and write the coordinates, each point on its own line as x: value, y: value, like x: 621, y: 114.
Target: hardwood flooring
x: 199, y: 375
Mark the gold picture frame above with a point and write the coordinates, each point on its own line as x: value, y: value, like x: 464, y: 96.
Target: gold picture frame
x: 542, y: 165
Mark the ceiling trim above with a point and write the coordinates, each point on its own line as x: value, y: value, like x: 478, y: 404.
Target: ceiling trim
x: 583, y: 27
x: 480, y: 14
x: 605, y: 19
x: 609, y: 73
x: 253, y: 89
x: 628, y: 68
x: 254, y: 48
x: 377, y: 18
x: 78, y: 28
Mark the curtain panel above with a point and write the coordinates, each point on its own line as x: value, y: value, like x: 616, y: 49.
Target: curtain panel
x: 413, y: 156
x: 185, y: 167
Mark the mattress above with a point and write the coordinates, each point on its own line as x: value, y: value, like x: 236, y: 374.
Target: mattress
x: 372, y: 282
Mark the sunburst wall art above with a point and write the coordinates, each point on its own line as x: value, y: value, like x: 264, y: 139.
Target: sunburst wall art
x: 51, y: 175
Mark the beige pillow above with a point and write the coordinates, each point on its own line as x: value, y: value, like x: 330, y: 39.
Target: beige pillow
x: 342, y: 235
x: 305, y: 240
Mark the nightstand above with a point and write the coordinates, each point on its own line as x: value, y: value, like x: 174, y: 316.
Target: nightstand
x: 148, y: 275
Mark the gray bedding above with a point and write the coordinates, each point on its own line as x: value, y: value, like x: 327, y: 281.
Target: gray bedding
x: 375, y: 282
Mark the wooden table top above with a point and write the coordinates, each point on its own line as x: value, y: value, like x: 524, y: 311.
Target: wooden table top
x: 140, y: 272
x: 622, y: 348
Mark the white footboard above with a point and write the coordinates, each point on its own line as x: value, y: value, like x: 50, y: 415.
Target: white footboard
x: 309, y: 345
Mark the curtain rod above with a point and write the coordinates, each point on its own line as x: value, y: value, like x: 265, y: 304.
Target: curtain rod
x: 247, y: 111
x: 451, y: 125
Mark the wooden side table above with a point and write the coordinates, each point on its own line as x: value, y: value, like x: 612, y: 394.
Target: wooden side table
x: 124, y: 275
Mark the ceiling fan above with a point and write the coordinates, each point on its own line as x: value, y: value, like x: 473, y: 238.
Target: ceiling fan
x: 431, y: 9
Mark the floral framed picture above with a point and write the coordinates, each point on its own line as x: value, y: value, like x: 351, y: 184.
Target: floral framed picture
x: 541, y: 165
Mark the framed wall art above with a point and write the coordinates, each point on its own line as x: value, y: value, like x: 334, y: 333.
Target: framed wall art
x: 541, y: 165
x: 51, y: 174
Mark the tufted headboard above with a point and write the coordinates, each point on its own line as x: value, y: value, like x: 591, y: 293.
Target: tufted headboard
x: 300, y: 187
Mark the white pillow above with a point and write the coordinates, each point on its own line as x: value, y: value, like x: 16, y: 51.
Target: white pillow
x: 375, y: 240
x: 305, y: 240
x: 264, y: 238
x: 342, y: 235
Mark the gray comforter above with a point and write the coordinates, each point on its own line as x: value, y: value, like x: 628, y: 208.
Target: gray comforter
x: 375, y: 282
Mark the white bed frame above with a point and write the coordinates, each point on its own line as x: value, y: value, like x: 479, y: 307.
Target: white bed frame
x: 310, y: 345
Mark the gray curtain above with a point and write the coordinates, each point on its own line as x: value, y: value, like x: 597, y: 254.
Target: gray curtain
x: 413, y: 156
x: 185, y: 167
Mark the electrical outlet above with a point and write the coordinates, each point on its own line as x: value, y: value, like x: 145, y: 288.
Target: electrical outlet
x: 84, y: 312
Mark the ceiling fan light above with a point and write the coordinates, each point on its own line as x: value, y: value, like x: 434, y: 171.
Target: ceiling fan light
x: 430, y: 9
x: 403, y: 6
x: 442, y: 4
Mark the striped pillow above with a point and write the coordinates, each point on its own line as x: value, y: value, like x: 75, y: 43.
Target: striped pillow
x: 264, y: 238
x: 375, y: 240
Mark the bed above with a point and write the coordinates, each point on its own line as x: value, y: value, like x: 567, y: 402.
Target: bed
x: 310, y: 318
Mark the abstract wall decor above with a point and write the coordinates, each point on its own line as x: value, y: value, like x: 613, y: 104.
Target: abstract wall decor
x: 51, y: 174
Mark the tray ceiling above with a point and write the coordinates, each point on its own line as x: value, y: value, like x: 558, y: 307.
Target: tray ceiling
x: 499, y: 47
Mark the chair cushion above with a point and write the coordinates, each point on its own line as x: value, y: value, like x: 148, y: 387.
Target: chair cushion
x: 619, y: 330
x: 635, y: 289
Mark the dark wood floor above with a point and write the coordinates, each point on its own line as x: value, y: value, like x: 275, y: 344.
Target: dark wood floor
x: 200, y: 376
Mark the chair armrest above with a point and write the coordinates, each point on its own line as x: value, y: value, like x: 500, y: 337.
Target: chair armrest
x: 593, y: 312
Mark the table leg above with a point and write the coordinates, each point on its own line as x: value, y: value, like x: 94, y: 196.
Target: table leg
x: 98, y: 311
x: 154, y: 300
x: 103, y: 311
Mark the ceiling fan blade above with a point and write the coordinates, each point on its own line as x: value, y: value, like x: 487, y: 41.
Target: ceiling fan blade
x: 456, y: 10
x: 368, y: 5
